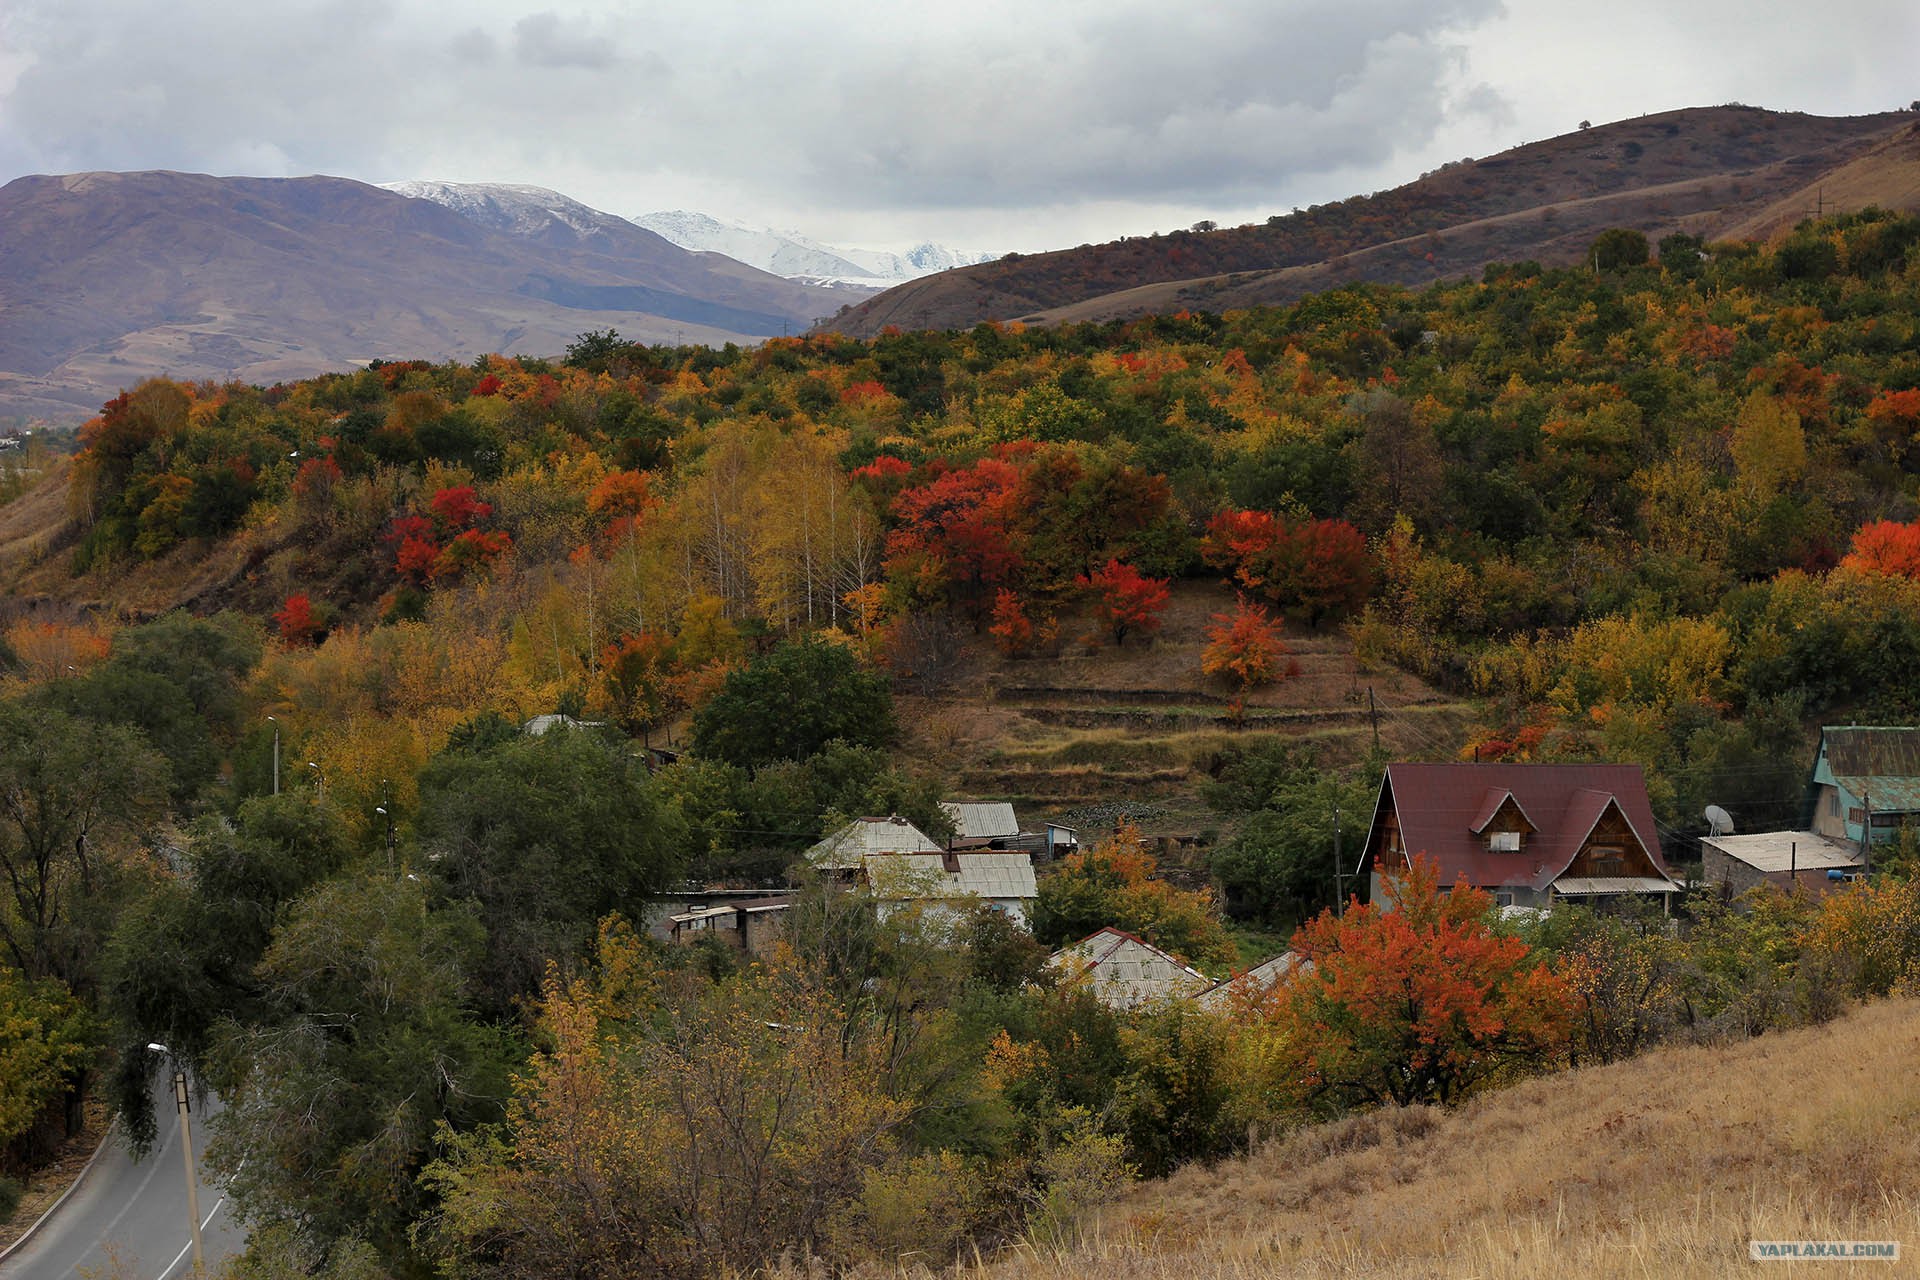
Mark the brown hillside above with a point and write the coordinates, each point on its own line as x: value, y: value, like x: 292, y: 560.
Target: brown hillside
x: 1660, y: 1168
x: 109, y: 278
x: 1083, y: 737
x: 1714, y: 171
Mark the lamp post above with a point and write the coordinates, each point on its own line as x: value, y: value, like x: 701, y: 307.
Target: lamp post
x: 276, y: 754
x: 321, y: 776
x: 184, y: 1104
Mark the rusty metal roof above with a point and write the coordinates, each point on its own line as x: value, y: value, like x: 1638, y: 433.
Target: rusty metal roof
x: 1881, y: 762
x: 1438, y: 805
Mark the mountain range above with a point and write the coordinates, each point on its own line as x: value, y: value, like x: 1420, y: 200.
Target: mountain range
x: 109, y: 278
x: 1731, y: 172
x: 790, y: 254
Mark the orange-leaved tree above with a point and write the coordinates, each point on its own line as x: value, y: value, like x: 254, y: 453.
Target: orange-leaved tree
x: 1420, y: 1002
x: 1115, y: 884
x: 1886, y: 546
x: 1246, y: 647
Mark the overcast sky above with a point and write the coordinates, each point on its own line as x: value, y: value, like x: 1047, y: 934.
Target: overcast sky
x: 989, y: 125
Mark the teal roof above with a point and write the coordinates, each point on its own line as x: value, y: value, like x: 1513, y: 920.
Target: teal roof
x: 1872, y: 763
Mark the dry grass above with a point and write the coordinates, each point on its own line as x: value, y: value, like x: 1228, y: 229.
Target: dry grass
x: 1664, y: 1167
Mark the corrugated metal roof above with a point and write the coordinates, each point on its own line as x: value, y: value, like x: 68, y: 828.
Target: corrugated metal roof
x: 1771, y: 851
x: 1876, y: 762
x: 1249, y: 985
x: 988, y: 875
x: 981, y: 819
x: 1126, y: 971
x: 1594, y: 886
x: 864, y: 837
x: 1438, y: 804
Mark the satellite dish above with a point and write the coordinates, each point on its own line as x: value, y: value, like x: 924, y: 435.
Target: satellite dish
x: 1719, y: 821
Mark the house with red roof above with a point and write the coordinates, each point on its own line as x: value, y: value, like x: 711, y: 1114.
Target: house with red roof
x: 1528, y: 834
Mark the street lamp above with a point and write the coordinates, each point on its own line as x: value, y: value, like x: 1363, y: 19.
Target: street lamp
x: 321, y: 776
x: 182, y: 1102
x: 276, y: 754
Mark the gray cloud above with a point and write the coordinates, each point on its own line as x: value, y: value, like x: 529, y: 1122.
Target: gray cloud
x: 1072, y: 120
x: 550, y: 41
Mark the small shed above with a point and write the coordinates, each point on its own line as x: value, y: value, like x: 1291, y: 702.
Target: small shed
x: 981, y: 819
x: 1785, y: 859
x: 750, y: 926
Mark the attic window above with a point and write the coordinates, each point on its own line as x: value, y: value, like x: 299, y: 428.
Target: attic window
x: 1504, y: 841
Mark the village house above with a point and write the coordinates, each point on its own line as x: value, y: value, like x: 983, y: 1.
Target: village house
x: 1528, y: 834
x: 1244, y: 989
x: 991, y: 824
x: 900, y: 864
x: 1865, y: 779
x: 1125, y: 972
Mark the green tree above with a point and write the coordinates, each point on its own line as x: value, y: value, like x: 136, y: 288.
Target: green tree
x: 368, y: 1047
x: 790, y: 703
x: 1617, y: 249
x: 181, y: 960
x: 545, y: 835
x: 70, y: 791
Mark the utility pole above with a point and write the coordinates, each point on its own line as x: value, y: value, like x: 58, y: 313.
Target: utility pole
x: 1339, y: 868
x: 183, y: 1102
x: 1373, y: 714
x: 276, y: 755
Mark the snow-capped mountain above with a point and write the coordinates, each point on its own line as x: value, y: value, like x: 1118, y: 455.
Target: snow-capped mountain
x: 797, y: 257
x: 533, y: 212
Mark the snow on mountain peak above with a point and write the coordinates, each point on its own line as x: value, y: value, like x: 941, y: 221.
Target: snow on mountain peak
x: 795, y: 256
x: 510, y: 206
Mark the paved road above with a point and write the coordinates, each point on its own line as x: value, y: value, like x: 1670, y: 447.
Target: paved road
x: 132, y: 1216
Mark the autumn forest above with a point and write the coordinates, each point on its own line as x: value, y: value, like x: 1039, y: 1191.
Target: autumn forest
x: 268, y: 798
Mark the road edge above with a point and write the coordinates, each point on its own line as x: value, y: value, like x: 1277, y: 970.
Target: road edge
x: 73, y: 1186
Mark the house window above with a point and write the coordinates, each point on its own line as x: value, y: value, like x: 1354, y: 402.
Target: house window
x: 1609, y: 862
x: 1833, y: 802
x: 1503, y: 897
x: 1504, y: 842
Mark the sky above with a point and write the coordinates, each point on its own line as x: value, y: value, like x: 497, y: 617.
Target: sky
x: 992, y: 125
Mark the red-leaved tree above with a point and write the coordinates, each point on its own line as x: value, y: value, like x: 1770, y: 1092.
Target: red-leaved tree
x: 1419, y: 1002
x: 1124, y: 599
x: 1321, y: 568
x: 298, y: 622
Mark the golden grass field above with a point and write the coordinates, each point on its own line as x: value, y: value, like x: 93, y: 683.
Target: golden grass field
x: 1662, y: 1168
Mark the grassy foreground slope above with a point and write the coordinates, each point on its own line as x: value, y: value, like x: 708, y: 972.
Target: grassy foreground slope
x: 1663, y: 1166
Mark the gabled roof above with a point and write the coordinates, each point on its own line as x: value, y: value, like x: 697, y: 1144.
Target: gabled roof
x: 1439, y: 806
x: 1252, y: 984
x: 1126, y: 971
x: 981, y: 819
x: 843, y: 850
x: 1490, y: 805
x: 1880, y: 763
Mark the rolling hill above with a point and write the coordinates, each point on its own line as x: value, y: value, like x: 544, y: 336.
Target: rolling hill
x: 1718, y: 172
x: 1661, y: 1167
x: 109, y: 278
